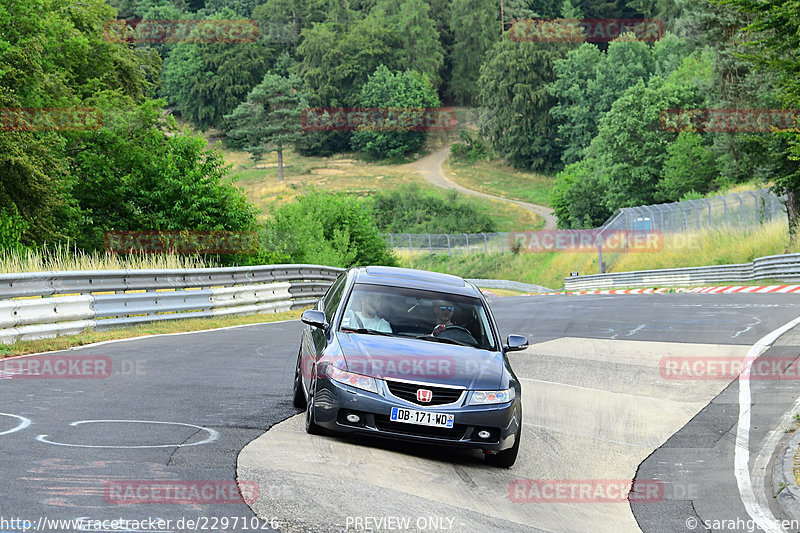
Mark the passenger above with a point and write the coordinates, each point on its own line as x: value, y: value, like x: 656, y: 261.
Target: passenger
x: 368, y: 317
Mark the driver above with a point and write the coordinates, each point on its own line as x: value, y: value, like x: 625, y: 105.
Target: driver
x: 368, y: 317
x: 443, y: 315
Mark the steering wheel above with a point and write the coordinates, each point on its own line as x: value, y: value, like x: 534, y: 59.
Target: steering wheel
x: 436, y: 331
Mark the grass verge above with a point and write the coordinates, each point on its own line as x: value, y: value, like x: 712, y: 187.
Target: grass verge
x: 156, y: 328
x: 493, y: 177
x: 716, y: 247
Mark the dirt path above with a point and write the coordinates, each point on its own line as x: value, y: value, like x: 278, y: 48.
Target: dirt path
x: 430, y: 167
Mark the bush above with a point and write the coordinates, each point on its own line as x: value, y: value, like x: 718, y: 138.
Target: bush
x: 329, y: 229
x: 385, y: 89
x: 408, y: 209
x: 470, y: 150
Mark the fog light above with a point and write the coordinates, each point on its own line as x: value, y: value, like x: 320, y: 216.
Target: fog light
x: 483, y: 434
x: 353, y: 418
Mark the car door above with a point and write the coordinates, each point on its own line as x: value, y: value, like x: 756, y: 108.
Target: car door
x: 317, y: 337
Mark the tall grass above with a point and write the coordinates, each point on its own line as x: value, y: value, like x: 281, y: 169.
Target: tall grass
x: 715, y: 247
x: 62, y: 257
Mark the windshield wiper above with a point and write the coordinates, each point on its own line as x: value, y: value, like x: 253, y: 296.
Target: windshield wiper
x: 443, y: 339
x: 366, y: 331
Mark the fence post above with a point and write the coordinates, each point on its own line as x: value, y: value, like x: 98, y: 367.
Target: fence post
x: 741, y: 210
x: 725, y: 208
x: 409, y: 242
x: 430, y: 246
x: 467, y: 236
x: 485, y: 244
x: 391, y: 240
x: 449, y: 251
x: 709, y: 211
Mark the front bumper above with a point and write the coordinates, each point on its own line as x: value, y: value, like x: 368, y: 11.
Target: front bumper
x: 333, y: 401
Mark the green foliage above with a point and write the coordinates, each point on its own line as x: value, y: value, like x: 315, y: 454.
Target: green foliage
x: 12, y: 229
x: 475, y: 26
x: 410, y: 210
x: 589, y: 81
x: 578, y: 197
x: 385, y: 89
x: 270, y: 118
x: 329, y: 229
x: 513, y: 93
x: 206, y: 81
x: 690, y: 167
x: 470, y: 150
x: 139, y: 172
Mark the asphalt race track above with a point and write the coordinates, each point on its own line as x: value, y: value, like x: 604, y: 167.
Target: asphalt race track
x: 599, y: 410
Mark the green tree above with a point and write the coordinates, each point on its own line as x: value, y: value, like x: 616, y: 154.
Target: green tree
x: 516, y: 104
x: 388, y: 90
x: 578, y: 196
x: 140, y: 172
x: 329, y: 229
x: 206, y: 81
x: 690, y: 167
x: 475, y: 26
x: 774, y: 34
x: 270, y: 118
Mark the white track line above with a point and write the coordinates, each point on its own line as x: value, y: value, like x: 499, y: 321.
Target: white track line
x: 755, y: 507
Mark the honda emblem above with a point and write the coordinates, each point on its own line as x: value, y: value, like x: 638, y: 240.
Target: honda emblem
x: 424, y: 395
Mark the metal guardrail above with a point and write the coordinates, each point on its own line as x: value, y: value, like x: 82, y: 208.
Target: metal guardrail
x: 38, y: 305
x: 778, y: 267
x: 511, y: 285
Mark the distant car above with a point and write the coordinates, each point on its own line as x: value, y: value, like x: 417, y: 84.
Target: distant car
x: 411, y: 355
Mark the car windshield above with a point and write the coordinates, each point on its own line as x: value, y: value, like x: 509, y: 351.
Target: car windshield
x: 426, y: 315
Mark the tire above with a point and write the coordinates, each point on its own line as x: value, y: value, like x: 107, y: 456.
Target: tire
x: 311, y: 427
x: 299, y: 396
x: 505, y: 458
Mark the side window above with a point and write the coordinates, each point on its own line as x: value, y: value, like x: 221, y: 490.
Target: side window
x: 334, y: 297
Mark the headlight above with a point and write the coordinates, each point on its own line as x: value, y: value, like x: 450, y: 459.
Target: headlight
x: 485, y: 397
x: 354, y: 380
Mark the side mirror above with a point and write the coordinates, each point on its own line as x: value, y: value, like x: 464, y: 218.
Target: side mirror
x: 515, y: 342
x: 314, y: 318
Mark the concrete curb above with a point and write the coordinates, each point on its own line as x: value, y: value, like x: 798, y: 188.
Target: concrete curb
x: 783, y: 472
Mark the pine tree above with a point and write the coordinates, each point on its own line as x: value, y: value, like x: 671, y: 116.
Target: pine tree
x: 270, y: 118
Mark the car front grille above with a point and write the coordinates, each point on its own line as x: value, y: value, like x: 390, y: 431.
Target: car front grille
x: 383, y: 423
x: 408, y: 392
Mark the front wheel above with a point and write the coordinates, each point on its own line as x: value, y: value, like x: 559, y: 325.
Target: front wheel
x: 312, y: 428
x: 506, y: 458
x: 298, y: 397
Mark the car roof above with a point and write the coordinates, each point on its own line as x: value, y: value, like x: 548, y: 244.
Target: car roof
x: 415, y: 279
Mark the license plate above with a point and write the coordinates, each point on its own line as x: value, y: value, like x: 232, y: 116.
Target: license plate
x: 422, y: 418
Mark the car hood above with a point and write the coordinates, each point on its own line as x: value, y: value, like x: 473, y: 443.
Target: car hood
x: 424, y: 361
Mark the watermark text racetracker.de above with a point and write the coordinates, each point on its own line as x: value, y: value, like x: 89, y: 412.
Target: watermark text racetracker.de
x: 724, y: 368
x: 181, y: 31
x: 723, y: 120
x: 128, y: 492
x: 50, y: 119
x: 376, y: 119
x: 69, y: 367
x: 585, y: 491
x: 588, y: 30
x: 181, y: 242
x: 621, y: 241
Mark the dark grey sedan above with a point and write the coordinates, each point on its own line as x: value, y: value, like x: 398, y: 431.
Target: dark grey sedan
x: 411, y: 355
